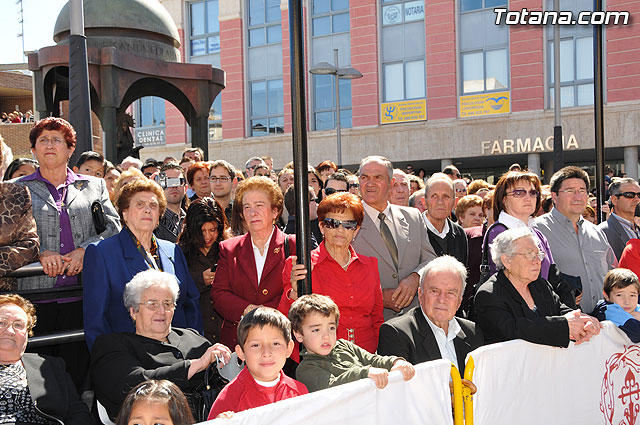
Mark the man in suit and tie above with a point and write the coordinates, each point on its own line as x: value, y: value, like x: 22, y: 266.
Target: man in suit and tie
x: 620, y: 227
x: 395, y: 235
x: 431, y: 331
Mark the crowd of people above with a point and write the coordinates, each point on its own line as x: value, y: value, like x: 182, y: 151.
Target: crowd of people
x: 16, y: 117
x: 187, y: 263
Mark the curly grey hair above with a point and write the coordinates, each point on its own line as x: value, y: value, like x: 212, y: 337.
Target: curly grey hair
x: 503, y: 244
x: 145, y: 280
x: 445, y: 263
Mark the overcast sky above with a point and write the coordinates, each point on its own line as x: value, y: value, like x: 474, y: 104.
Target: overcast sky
x: 39, y: 19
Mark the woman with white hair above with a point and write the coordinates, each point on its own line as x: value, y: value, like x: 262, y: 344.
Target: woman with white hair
x: 120, y: 361
x: 516, y: 303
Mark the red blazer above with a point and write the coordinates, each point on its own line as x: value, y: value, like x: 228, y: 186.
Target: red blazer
x: 236, y: 283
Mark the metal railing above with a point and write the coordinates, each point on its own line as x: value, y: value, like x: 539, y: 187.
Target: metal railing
x: 34, y: 295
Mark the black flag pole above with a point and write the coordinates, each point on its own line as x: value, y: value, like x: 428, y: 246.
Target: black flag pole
x: 299, y: 133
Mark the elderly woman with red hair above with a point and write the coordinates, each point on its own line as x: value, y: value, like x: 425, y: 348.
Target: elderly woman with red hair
x: 350, y: 279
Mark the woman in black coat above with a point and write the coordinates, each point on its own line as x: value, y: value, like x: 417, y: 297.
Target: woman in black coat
x: 516, y: 303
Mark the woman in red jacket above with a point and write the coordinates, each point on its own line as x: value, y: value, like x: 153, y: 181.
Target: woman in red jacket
x: 350, y: 279
x: 249, y: 272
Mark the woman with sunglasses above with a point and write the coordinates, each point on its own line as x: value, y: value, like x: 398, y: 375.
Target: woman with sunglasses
x: 350, y: 279
x: 516, y: 199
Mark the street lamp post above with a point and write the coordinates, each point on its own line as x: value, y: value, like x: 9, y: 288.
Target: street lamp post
x: 325, y: 68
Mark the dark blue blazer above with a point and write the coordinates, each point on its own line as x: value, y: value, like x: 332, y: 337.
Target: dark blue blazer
x: 109, y: 265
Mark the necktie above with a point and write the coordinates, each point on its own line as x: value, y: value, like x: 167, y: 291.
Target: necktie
x: 385, y: 232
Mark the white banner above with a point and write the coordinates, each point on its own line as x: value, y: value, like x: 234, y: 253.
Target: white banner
x: 528, y: 384
x: 423, y: 399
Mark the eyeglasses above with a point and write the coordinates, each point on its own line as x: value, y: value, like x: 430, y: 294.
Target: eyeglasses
x: 50, y: 141
x: 332, y: 223
x: 331, y: 191
x: 223, y: 179
x: 573, y: 192
x: 521, y: 193
x: 18, y: 325
x: 628, y: 195
x: 154, y: 305
x: 532, y: 255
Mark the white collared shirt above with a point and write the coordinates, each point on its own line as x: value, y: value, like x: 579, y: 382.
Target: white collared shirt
x: 514, y: 223
x: 373, y: 214
x: 445, y: 342
x: 431, y: 227
x: 260, y: 258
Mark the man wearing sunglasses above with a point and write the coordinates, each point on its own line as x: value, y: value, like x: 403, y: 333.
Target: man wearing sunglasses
x: 620, y: 227
x: 251, y: 165
x: 335, y: 183
x: 397, y: 236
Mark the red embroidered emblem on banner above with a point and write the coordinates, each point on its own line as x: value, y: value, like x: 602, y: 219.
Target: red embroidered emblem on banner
x: 620, y: 392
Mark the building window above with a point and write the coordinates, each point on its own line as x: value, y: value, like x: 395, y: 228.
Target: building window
x: 330, y: 29
x: 404, y: 80
x: 215, y: 120
x: 267, y: 109
x: 204, y: 35
x: 330, y: 17
x: 485, y: 71
x: 576, y: 58
x: 469, y: 5
x: 324, y: 102
x: 264, y: 22
x: 576, y: 72
x: 151, y: 111
x: 403, y: 50
x: 484, y: 47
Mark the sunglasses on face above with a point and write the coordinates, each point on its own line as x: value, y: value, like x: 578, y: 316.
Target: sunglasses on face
x: 521, y: 193
x: 628, y: 195
x: 332, y: 223
x: 331, y: 191
x: 354, y: 185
